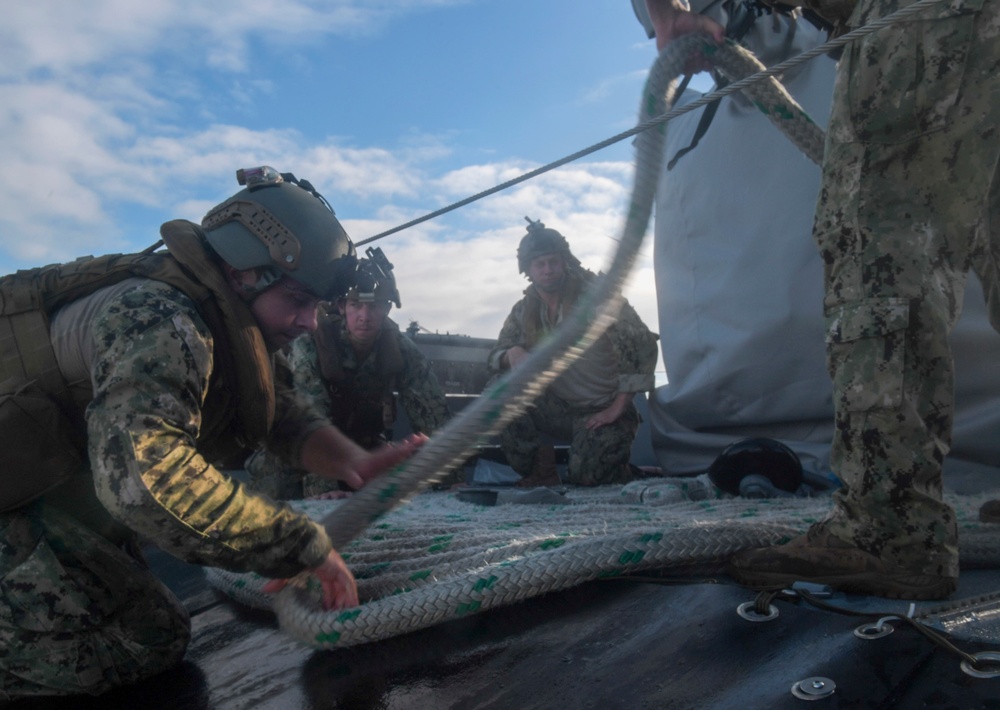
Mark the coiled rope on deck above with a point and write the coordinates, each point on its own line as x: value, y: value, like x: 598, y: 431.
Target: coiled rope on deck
x: 438, y: 558
x: 299, y: 612
x: 500, y: 404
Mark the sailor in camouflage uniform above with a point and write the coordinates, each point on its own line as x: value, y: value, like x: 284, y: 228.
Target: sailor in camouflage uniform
x: 168, y: 357
x: 351, y: 369
x: 910, y: 201
x: 591, y: 403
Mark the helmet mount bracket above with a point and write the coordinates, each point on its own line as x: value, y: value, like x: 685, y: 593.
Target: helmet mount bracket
x: 282, y: 245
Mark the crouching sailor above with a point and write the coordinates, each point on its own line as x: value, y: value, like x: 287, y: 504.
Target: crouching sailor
x: 354, y: 369
x: 126, y: 378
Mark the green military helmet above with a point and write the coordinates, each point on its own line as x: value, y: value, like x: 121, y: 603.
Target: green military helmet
x: 373, y: 280
x: 282, y: 223
x: 539, y: 241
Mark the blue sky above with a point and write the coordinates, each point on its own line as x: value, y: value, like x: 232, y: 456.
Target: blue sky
x: 117, y: 115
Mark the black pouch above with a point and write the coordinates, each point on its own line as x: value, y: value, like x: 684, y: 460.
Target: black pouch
x: 37, y: 449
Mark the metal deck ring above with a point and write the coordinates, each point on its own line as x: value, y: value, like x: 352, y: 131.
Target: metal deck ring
x: 969, y: 669
x: 873, y: 631
x: 746, y: 611
x: 815, y: 688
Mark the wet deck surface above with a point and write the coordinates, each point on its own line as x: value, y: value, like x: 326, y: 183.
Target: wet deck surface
x: 609, y: 644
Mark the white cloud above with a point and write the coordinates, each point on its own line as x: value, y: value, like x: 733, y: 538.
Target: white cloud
x: 434, y: 259
x: 95, y: 105
x: 459, y: 273
x: 60, y: 168
x: 70, y: 165
x: 92, y: 120
x: 59, y: 36
x: 369, y: 172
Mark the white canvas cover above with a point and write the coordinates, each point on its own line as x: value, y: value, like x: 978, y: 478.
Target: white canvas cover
x: 739, y: 286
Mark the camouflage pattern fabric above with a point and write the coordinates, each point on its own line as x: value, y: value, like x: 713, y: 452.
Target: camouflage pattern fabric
x: 598, y: 456
x: 418, y: 390
x: 152, y: 370
x: 77, y: 614
x: 358, y: 412
x: 910, y: 191
x: 67, y: 594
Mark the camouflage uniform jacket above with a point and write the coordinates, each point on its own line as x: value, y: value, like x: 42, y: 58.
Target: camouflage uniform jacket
x: 359, y: 397
x: 633, y: 344
x: 152, y: 375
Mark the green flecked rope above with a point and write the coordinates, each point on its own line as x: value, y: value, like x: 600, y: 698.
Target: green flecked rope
x: 461, y: 569
x: 509, y: 397
x: 596, y: 310
x: 440, y: 558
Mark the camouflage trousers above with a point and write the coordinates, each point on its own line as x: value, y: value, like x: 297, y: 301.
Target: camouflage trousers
x: 596, y: 457
x: 909, y: 203
x: 77, y: 614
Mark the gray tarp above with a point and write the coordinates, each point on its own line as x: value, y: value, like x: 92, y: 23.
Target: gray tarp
x: 739, y: 285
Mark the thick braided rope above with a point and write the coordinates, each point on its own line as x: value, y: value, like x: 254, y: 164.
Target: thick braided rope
x: 510, y: 397
x: 772, y: 99
x: 441, y: 559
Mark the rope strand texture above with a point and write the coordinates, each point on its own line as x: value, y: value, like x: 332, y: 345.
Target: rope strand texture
x: 439, y: 558
x: 509, y: 397
x: 598, y: 307
x: 512, y: 569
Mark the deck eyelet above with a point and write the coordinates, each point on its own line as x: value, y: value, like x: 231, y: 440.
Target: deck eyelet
x: 746, y: 610
x: 994, y: 670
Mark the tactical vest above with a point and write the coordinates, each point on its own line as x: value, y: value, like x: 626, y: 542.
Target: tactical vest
x: 239, y: 411
x: 364, y: 411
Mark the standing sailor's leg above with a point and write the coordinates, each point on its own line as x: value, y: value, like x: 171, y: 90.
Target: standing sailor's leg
x: 910, y: 156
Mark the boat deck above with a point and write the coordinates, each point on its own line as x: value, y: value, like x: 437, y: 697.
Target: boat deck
x: 622, y: 643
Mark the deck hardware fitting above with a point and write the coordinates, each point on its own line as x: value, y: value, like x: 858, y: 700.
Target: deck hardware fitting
x: 993, y: 669
x: 815, y: 688
x: 746, y: 610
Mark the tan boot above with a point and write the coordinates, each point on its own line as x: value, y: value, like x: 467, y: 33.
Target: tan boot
x: 821, y: 558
